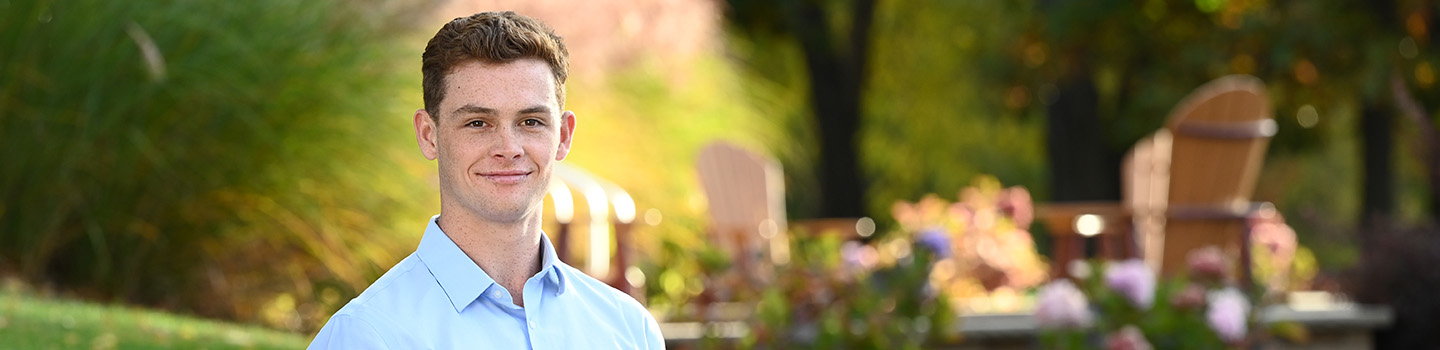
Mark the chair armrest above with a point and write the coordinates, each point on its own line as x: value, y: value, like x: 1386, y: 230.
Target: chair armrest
x: 1060, y: 217
x: 1240, y: 211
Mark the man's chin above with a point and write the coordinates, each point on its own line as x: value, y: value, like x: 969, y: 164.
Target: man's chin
x: 512, y: 212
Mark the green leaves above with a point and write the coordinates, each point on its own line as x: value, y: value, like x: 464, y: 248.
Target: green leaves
x: 159, y: 151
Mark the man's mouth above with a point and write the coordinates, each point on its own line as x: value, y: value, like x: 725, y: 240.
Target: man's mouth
x: 508, y: 177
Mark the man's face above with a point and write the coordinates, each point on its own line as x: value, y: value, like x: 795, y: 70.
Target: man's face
x: 498, y: 135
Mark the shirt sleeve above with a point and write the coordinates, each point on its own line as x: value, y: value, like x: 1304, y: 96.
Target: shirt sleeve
x: 654, y: 340
x: 345, y: 331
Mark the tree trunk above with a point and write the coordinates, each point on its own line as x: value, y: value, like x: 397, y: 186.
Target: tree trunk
x: 836, y: 70
x: 1376, y: 131
x: 1080, y: 167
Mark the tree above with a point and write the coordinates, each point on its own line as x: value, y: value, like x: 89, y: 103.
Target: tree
x: 834, y: 40
x: 1130, y: 62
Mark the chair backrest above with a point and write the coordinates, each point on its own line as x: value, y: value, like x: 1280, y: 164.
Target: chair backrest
x: 1218, y: 136
x: 590, y: 216
x: 1146, y: 178
x: 746, y: 193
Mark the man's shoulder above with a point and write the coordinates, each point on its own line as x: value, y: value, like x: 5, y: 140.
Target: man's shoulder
x: 594, y: 289
x: 621, y: 312
x: 406, y: 282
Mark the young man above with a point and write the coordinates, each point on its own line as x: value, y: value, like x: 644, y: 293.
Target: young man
x: 484, y: 275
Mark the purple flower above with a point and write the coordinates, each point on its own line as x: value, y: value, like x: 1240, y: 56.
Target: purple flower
x: 936, y: 241
x: 1128, y: 338
x: 1134, y: 280
x: 1060, y: 305
x: 857, y: 256
x: 1227, y: 314
x: 850, y: 254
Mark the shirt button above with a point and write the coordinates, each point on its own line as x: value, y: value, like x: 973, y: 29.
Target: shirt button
x: 532, y: 324
x: 495, y: 294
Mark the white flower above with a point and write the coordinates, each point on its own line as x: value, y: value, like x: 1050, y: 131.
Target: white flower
x: 1079, y: 269
x: 1227, y: 314
x: 1061, y: 305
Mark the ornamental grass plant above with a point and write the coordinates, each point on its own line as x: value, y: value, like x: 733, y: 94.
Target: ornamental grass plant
x: 233, y: 159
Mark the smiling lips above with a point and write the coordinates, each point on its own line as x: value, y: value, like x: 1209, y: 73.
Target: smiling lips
x: 508, y: 177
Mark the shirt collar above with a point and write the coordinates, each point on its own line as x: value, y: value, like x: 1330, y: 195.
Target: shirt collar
x: 463, y: 280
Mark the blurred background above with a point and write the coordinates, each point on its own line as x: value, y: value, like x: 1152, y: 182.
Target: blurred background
x: 178, y: 173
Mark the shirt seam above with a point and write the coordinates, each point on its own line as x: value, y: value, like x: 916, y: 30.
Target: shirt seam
x: 390, y: 282
x: 365, y: 320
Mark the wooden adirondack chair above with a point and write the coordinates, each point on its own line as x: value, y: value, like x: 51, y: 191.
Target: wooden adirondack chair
x: 746, y: 193
x: 1185, y: 187
x: 1216, y: 140
x: 588, y: 216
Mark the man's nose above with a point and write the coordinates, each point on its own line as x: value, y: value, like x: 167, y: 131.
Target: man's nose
x: 508, y: 146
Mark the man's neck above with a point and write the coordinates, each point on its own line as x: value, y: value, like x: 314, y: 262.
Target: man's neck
x: 508, y: 252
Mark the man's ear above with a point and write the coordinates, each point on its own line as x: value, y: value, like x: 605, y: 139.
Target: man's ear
x: 567, y: 133
x: 425, y: 130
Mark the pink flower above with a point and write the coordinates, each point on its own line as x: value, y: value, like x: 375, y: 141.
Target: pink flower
x: 1060, y: 305
x: 1015, y: 202
x: 1269, y: 234
x: 1134, y: 280
x: 1228, y: 314
x: 1192, y: 297
x: 1207, y: 264
x: 858, y: 257
x: 1128, y: 338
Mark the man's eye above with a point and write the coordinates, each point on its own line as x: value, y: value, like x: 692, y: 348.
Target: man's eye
x: 475, y: 123
x: 532, y: 122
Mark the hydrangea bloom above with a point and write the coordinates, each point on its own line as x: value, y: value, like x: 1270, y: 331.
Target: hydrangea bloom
x: 1207, y: 263
x: 1061, y: 305
x: 1226, y: 315
x: 1134, y: 280
x: 1190, y: 298
x: 1128, y: 338
x: 936, y: 240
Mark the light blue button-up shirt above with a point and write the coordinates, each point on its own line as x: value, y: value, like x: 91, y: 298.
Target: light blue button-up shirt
x: 437, y: 298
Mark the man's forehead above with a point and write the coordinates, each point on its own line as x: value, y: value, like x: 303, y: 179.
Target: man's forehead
x: 526, y: 68
x: 508, y: 85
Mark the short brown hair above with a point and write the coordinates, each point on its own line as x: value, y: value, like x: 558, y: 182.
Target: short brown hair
x: 490, y: 37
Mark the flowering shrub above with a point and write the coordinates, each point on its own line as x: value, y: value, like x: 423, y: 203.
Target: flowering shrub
x: 1280, y: 262
x: 849, y: 295
x: 992, y: 253
x: 1130, y: 309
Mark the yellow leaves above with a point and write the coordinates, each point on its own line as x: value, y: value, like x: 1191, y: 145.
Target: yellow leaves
x: 1017, y: 97
x: 280, y: 312
x: 1242, y: 64
x: 1415, y: 25
x: 1035, y: 54
x: 1424, y: 74
x: 1305, y: 72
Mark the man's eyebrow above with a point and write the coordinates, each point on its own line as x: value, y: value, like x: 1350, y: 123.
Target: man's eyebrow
x: 473, y: 109
x: 536, y: 110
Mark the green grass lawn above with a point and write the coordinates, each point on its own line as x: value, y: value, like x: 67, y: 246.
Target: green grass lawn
x: 28, y: 322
